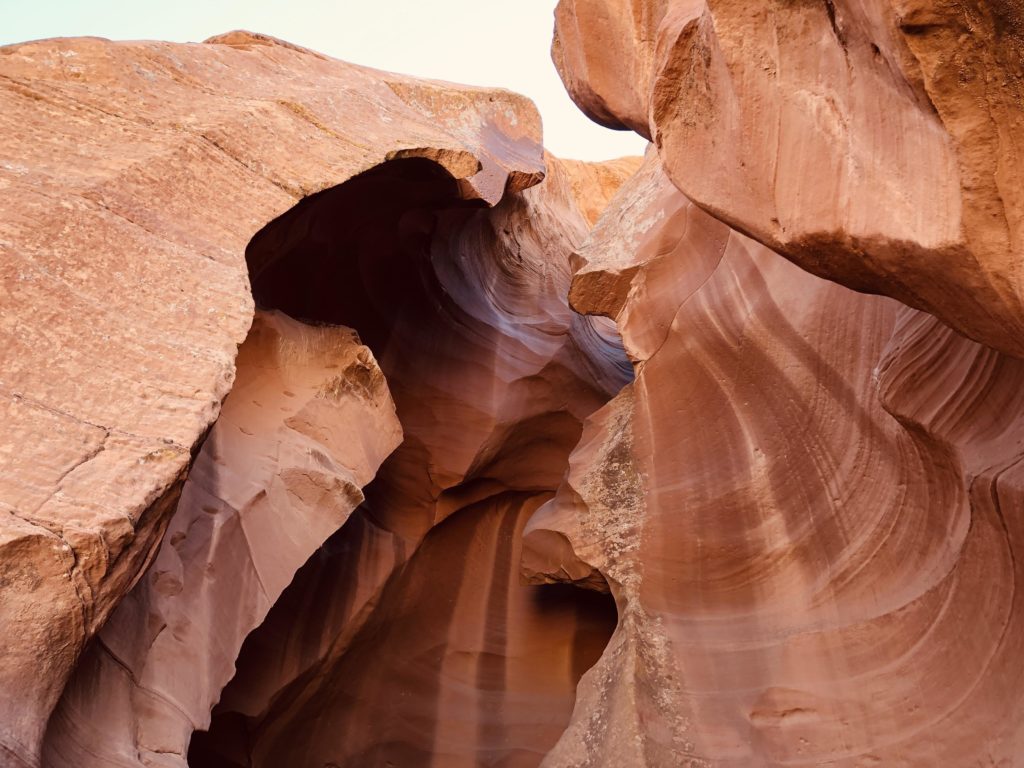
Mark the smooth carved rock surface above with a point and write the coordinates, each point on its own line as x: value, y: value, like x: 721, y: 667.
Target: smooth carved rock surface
x: 876, y: 144
x: 133, y: 175
x: 806, y: 507
x: 410, y: 639
x: 308, y: 423
x: 766, y: 514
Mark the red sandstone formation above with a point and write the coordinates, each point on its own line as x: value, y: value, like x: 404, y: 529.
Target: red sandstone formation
x: 791, y: 539
x: 812, y: 548
x: 807, y: 504
x: 431, y: 649
x: 134, y: 175
x: 308, y: 423
x: 878, y: 144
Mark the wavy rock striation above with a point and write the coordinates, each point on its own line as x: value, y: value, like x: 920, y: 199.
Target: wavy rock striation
x: 876, y: 144
x: 764, y: 483
x: 801, y: 506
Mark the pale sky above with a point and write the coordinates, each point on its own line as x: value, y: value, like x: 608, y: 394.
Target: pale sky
x: 481, y: 42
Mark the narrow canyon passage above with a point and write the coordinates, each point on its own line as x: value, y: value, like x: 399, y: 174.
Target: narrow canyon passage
x: 410, y: 638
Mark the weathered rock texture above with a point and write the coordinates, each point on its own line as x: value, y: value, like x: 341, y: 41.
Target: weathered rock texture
x: 133, y: 177
x: 808, y: 505
x: 308, y: 422
x: 878, y: 144
x: 431, y: 651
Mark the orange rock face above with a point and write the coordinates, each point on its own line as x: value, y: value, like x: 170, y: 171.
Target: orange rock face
x: 419, y: 229
x: 796, y: 528
x: 308, y: 423
x: 807, y: 504
x: 134, y: 175
x: 710, y: 459
x: 875, y: 144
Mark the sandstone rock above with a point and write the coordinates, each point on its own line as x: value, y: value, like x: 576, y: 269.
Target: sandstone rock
x: 874, y: 144
x: 308, y: 422
x: 802, y: 508
x: 770, y: 508
x: 454, y: 660
x: 604, y: 52
x: 133, y: 176
x: 594, y: 184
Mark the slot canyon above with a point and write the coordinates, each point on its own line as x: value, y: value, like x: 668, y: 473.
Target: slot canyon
x: 346, y: 426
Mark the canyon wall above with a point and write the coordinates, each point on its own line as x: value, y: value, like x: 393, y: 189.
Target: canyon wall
x: 345, y: 426
x: 134, y: 177
x: 877, y: 144
x: 808, y: 504
x: 307, y: 425
x: 806, y: 507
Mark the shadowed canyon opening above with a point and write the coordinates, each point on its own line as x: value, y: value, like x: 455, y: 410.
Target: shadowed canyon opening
x: 409, y: 639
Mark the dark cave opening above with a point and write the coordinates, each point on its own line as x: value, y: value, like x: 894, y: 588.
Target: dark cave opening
x: 352, y: 254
